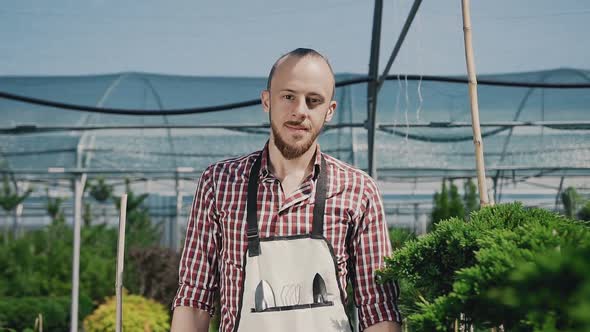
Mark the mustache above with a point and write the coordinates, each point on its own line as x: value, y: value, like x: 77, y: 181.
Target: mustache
x: 298, y: 124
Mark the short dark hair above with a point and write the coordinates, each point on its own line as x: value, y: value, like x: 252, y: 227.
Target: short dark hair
x: 298, y: 53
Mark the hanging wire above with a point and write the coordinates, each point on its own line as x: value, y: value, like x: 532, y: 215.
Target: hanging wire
x: 420, y: 64
x: 407, y: 106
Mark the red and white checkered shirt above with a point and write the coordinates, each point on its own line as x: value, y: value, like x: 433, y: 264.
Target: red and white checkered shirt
x: 216, y: 241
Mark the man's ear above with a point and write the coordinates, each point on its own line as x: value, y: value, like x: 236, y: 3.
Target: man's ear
x: 265, y: 99
x: 331, y: 110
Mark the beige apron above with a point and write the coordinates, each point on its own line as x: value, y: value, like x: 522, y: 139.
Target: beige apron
x: 290, y: 283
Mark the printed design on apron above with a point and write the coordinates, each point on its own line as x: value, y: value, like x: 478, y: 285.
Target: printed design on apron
x: 290, y: 283
x: 265, y: 301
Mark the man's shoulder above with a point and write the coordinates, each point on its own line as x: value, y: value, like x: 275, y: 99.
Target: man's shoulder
x: 235, y: 165
x: 344, y: 169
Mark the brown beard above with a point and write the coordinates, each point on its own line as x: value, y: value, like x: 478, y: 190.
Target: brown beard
x: 291, y: 152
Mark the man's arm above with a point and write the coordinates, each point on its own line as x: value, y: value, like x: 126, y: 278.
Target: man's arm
x: 377, y: 302
x: 384, y: 327
x: 198, y: 269
x: 187, y: 319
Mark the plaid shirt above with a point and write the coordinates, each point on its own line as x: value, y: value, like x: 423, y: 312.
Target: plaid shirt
x: 216, y: 242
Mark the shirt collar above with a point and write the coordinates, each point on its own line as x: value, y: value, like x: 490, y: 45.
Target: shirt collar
x: 265, y: 162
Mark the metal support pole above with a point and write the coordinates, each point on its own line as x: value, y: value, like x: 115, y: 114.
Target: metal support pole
x: 120, y: 264
x: 176, y: 222
x: 495, y: 182
x: 416, y: 216
x: 400, y: 41
x: 17, y: 212
x: 372, y: 87
x: 558, y: 193
x: 78, y: 192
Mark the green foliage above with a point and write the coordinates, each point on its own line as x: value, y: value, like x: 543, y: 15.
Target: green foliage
x: 470, y: 197
x: 584, y: 212
x: 102, y: 193
x: 87, y: 214
x: 440, y: 210
x: 139, y: 314
x: 9, y: 197
x: 456, y: 208
x: 215, y: 321
x: 39, y: 263
x: 569, y: 199
x: 399, y: 236
x: 54, y: 207
x: 487, y: 267
x: 141, y: 232
x: 134, y: 201
x: 100, y: 190
x: 406, y: 303
x: 552, y: 291
x: 449, y: 203
x: 19, y: 313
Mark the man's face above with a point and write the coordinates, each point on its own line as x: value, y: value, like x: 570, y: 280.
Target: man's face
x: 299, y: 103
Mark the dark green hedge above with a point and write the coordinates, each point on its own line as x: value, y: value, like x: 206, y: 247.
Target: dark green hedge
x: 19, y: 313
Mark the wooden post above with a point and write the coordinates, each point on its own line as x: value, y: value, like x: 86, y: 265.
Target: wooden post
x: 120, y: 261
x: 477, y: 140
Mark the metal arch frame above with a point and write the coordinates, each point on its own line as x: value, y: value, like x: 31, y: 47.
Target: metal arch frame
x: 79, y: 184
x: 174, y: 228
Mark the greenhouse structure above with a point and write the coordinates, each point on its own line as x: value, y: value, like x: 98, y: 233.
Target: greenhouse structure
x: 61, y: 137
x: 160, y: 132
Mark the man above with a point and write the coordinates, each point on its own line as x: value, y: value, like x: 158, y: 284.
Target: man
x: 280, y: 231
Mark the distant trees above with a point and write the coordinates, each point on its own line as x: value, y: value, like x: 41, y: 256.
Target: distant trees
x: 449, y: 203
x: 10, y: 198
x: 571, y: 200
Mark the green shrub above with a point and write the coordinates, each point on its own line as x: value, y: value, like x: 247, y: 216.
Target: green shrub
x: 569, y: 199
x: 459, y: 267
x: 584, y: 212
x: 551, y: 292
x: 139, y: 314
x: 40, y: 263
x: 448, y: 203
x: 19, y: 313
x: 399, y: 236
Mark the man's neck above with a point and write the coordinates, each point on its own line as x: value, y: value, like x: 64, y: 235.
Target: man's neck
x: 282, y: 167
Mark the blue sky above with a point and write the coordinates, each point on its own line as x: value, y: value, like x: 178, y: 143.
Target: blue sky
x: 243, y: 38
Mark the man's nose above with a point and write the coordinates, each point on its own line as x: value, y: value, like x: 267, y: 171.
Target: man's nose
x: 300, y: 110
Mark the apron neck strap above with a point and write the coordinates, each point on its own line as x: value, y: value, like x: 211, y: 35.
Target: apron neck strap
x: 252, y: 219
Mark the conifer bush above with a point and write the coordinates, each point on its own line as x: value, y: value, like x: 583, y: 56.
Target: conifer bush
x: 512, y: 266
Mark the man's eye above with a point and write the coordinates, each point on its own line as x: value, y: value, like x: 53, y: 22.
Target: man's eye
x: 289, y: 97
x: 315, y: 100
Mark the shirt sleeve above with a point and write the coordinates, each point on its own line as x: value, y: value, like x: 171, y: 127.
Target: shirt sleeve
x: 197, y: 276
x: 370, y: 244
